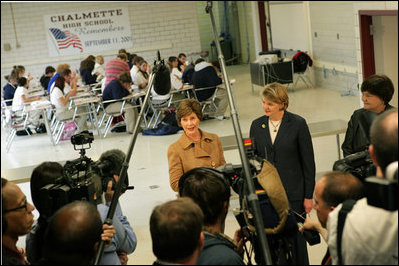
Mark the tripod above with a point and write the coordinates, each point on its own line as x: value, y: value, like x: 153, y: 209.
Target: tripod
x: 252, y: 197
x: 125, y: 165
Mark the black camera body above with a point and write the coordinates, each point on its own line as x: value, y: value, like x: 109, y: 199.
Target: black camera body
x: 358, y: 164
x: 82, y: 179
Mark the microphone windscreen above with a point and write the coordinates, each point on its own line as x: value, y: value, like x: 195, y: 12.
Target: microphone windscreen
x: 162, y: 79
x: 114, y: 158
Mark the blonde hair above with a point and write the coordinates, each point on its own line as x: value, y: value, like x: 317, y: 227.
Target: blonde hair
x: 62, y: 67
x: 276, y: 93
x: 99, y: 58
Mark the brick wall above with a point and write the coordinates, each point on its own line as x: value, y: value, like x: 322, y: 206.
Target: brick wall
x: 171, y: 27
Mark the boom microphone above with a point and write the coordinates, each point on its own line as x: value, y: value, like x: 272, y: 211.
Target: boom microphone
x: 162, y: 78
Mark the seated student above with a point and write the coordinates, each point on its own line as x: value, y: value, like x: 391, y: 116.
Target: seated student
x: 99, y: 68
x: 60, y: 99
x: 21, y: 97
x: 182, y: 63
x: 115, y: 67
x: 17, y: 220
x: 176, y: 232
x: 205, y: 76
x: 117, y: 89
x: 212, y: 193
x: 188, y: 74
x: 60, y: 68
x: 10, y: 87
x: 142, y: 76
x: 86, y: 69
x: 174, y: 62
x: 135, y: 67
x: 48, y: 74
x: 73, y: 235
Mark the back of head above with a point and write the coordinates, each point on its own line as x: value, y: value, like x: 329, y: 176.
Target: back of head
x: 44, y: 174
x: 65, y: 72
x: 125, y: 77
x: 122, y: 56
x: 384, y: 138
x: 208, y: 189
x: 137, y: 59
x: 379, y: 85
x: 199, y: 60
x: 49, y: 70
x: 340, y: 186
x: 62, y: 67
x: 175, y: 229
x: 72, y: 234
x: 22, y: 81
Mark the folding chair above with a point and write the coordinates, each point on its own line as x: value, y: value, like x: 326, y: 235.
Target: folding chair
x: 110, y: 114
x: 301, y: 61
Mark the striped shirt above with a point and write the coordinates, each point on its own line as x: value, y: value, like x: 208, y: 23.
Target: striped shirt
x: 114, y: 68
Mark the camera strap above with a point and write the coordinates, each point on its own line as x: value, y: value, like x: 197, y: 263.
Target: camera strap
x: 346, y: 208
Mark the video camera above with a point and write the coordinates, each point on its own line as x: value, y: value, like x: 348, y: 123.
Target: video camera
x: 358, y: 164
x: 82, y: 178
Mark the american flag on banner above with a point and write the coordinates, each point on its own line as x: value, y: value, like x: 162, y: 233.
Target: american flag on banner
x: 66, y: 38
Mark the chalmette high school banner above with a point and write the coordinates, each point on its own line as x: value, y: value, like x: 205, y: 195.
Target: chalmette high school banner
x: 85, y: 32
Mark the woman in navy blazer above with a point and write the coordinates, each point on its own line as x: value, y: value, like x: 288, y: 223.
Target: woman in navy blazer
x: 283, y: 138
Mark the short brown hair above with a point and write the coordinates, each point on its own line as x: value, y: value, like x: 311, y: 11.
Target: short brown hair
x: 175, y: 228
x: 186, y: 107
x: 276, y: 93
x: 122, y: 56
x: 62, y: 67
x: 125, y: 77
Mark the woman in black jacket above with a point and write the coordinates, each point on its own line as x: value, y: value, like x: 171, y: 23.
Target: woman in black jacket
x: 377, y: 91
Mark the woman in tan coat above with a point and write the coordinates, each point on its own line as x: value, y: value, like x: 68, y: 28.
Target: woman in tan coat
x: 195, y: 147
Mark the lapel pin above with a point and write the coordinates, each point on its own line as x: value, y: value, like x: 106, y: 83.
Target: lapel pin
x: 263, y: 126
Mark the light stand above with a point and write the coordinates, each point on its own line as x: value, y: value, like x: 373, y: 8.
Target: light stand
x: 252, y: 197
x: 125, y: 165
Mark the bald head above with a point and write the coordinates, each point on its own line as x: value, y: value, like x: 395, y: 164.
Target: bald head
x: 72, y: 234
x: 384, y: 139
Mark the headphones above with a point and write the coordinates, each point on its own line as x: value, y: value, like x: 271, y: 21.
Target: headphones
x: 207, y: 171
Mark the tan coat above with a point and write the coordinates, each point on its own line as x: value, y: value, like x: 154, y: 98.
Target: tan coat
x: 184, y: 155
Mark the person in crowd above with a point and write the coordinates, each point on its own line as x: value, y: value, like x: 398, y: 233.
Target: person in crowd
x: 21, y: 97
x: 182, y: 63
x: 124, y: 241
x: 21, y: 72
x: 99, y: 68
x: 135, y: 68
x: 48, y: 74
x: 17, y: 220
x: 73, y: 235
x: 60, y: 69
x: 188, y: 73
x: 86, y: 69
x: 377, y: 92
x: 130, y: 60
x: 205, y: 76
x: 370, y: 234
x: 60, y: 99
x: 115, y: 67
x: 176, y: 232
x: 117, y: 89
x: 212, y: 193
x: 10, y: 88
x: 142, y: 75
x: 332, y: 189
x: 216, y: 66
x: 175, y: 71
x: 195, y: 147
x: 283, y: 138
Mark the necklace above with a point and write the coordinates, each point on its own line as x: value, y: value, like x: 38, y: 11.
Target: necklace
x: 275, y: 126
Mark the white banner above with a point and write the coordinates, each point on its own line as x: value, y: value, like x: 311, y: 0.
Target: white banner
x: 88, y: 32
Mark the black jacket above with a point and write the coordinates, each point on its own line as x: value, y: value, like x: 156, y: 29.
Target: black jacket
x: 292, y: 153
x: 205, y: 76
x: 357, y: 136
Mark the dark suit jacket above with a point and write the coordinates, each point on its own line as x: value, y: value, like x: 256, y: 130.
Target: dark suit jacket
x: 292, y: 153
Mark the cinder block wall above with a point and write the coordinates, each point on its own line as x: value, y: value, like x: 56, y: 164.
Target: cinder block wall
x: 171, y: 27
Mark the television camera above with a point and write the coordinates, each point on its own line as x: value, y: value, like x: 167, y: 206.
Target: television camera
x: 270, y: 217
x: 83, y: 178
x: 358, y: 164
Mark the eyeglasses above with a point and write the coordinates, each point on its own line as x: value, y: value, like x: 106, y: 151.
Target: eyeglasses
x: 25, y: 206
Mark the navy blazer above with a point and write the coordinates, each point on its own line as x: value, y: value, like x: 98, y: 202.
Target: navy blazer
x: 292, y: 153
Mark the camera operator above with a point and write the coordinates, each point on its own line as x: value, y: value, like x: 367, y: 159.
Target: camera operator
x: 47, y: 173
x: 332, y: 189
x: 377, y: 91
x: 370, y: 234
x: 211, y: 192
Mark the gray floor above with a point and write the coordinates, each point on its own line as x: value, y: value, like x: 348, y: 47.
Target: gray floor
x: 148, y: 169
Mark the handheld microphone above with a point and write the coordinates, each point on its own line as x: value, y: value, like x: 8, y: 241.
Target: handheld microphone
x: 162, y: 82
